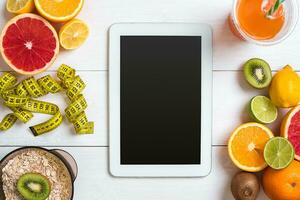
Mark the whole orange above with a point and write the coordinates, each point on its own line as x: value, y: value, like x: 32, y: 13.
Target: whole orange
x: 283, y: 184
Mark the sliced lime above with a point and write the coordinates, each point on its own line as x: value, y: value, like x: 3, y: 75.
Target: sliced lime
x: 278, y: 153
x: 263, y: 110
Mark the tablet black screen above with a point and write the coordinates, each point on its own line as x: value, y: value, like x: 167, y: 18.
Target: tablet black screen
x: 160, y: 99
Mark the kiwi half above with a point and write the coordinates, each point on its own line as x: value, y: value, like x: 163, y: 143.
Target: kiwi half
x: 34, y: 186
x: 258, y: 73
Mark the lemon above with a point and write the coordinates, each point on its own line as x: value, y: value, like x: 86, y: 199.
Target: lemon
x: 73, y: 34
x: 285, y: 88
x: 19, y: 6
x: 58, y: 10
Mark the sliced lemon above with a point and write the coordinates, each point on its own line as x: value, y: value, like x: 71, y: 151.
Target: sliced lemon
x: 19, y: 6
x: 73, y: 34
x: 58, y: 10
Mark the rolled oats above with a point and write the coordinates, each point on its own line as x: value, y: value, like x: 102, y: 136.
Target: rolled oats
x: 37, y: 161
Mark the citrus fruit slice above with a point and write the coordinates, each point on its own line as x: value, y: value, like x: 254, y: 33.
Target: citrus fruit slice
x: 263, y: 110
x: 246, y: 146
x: 278, y: 153
x: 20, y: 6
x: 29, y: 44
x: 58, y: 10
x: 73, y: 34
x: 290, y: 129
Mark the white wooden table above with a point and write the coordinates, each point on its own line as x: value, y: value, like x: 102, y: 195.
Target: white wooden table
x: 231, y: 94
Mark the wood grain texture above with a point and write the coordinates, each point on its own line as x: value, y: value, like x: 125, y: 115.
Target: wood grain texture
x: 96, y: 96
x: 229, y: 51
x: 95, y: 183
x: 231, y: 96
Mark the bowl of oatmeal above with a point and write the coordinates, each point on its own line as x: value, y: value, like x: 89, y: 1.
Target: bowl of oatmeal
x: 58, y: 166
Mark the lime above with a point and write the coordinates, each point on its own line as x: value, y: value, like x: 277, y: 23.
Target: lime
x: 278, y: 153
x: 263, y: 110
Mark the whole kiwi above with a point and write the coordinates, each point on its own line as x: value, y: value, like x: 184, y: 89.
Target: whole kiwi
x: 245, y: 186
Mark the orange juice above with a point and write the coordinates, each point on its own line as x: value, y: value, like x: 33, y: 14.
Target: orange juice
x: 252, y: 16
x: 263, y: 22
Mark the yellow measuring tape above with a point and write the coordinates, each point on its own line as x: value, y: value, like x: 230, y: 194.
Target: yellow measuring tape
x: 74, y: 112
x: 19, y: 98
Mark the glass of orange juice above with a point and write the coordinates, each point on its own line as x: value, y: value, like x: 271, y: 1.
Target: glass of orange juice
x: 262, y: 22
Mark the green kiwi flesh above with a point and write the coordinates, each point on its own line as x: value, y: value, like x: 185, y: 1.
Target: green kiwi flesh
x: 258, y: 73
x: 34, y: 186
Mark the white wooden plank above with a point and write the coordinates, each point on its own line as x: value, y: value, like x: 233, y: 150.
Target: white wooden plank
x: 231, y: 97
x: 229, y: 51
x: 96, y: 96
x: 94, y: 181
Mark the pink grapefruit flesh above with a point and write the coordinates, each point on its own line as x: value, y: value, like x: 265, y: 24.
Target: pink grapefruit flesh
x: 29, y: 44
x: 290, y: 129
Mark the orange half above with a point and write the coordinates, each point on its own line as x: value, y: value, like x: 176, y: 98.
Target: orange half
x: 246, y: 146
x: 58, y: 10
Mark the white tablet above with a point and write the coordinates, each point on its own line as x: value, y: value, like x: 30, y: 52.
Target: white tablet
x: 160, y: 100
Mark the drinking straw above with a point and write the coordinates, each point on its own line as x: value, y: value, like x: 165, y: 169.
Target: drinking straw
x: 275, y: 7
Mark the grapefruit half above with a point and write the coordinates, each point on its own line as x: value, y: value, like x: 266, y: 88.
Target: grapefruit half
x: 290, y: 129
x: 29, y: 44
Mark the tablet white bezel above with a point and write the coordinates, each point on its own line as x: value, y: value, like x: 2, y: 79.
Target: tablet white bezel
x: 159, y: 29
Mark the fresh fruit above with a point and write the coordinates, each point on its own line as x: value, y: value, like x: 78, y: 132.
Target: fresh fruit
x: 282, y: 184
x: 278, y: 153
x: 245, y: 186
x: 285, y: 88
x: 73, y: 34
x: 34, y: 186
x: 29, y: 44
x: 257, y: 73
x: 246, y: 145
x: 59, y: 10
x: 20, y: 6
x: 263, y: 110
x: 290, y: 129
